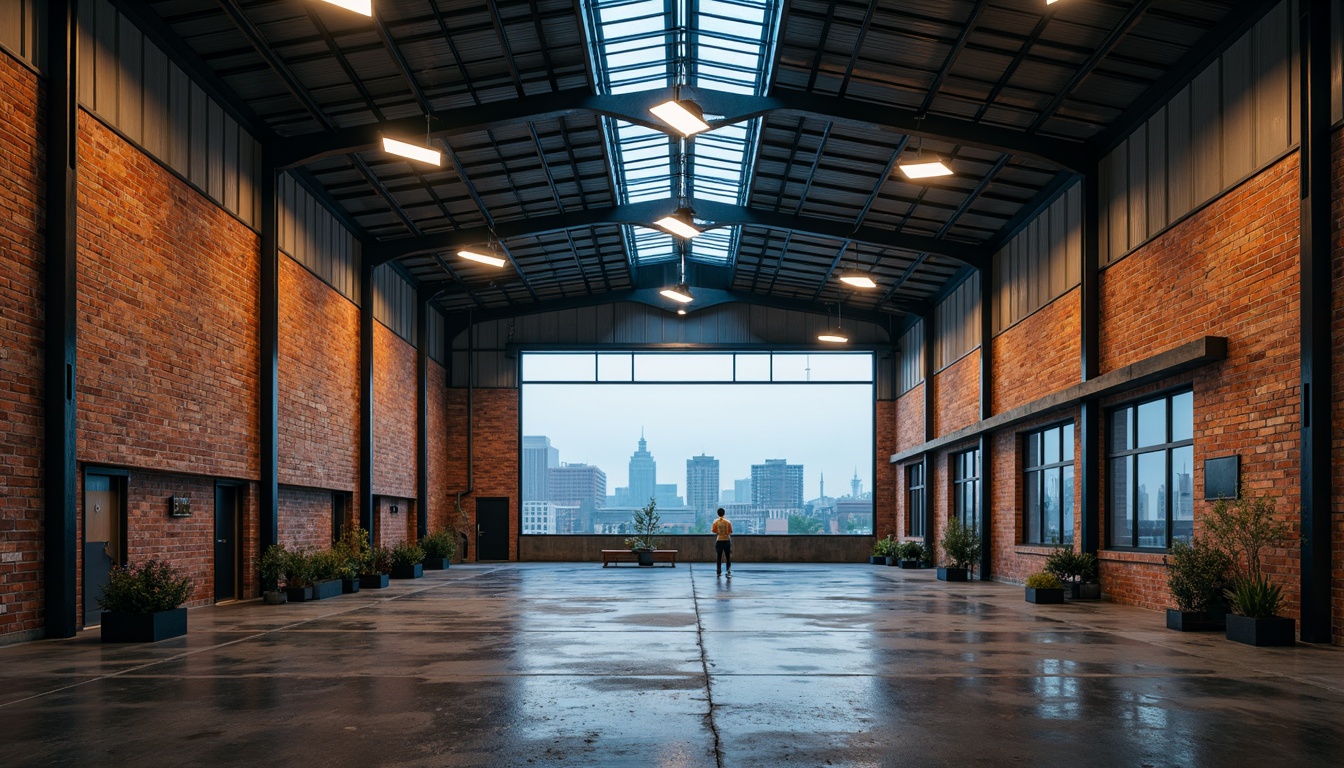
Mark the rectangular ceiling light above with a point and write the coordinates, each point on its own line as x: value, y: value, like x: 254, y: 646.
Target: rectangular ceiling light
x: 676, y: 114
x: 925, y: 170
x: 679, y: 292
x: 483, y: 258
x: 412, y: 151
x: 677, y: 226
x: 858, y: 280
x: 364, y: 7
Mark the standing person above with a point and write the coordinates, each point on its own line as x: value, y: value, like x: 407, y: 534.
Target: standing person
x: 723, y: 546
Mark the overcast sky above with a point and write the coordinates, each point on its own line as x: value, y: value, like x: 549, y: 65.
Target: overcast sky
x: 828, y: 428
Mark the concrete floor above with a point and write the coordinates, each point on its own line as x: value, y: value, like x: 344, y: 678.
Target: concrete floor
x: 571, y: 664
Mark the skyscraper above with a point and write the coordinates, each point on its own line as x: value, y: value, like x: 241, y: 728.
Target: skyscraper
x: 777, y: 484
x: 742, y: 491
x: 856, y: 485
x: 538, y: 458
x: 643, y: 474
x: 577, y: 485
x: 702, y: 483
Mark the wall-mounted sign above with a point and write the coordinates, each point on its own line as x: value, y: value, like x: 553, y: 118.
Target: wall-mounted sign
x: 180, y: 507
x: 394, y: 509
x: 1222, y: 477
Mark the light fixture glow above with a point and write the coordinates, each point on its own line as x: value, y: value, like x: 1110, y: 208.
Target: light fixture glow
x: 835, y: 335
x: 364, y: 7
x: 413, y: 151
x: 483, y: 258
x: 681, y: 311
x: 857, y: 279
x: 680, y: 223
x: 684, y: 115
x: 925, y: 169
x: 680, y: 292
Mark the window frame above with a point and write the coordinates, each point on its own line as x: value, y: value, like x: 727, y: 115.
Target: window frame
x: 917, y: 520
x: 1037, y: 473
x: 959, y: 485
x: 1165, y: 448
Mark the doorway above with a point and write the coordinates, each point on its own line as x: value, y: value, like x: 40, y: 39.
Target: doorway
x: 226, y: 541
x: 104, y: 537
x: 492, y: 528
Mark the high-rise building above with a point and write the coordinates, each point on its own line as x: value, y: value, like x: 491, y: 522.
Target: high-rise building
x: 538, y: 517
x: 856, y: 485
x: 539, y: 457
x: 577, y: 485
x: 777, y: 484
x: 702, y: 483
x: 666, y: 496
x: 742, y: 491
x: 643, y: 475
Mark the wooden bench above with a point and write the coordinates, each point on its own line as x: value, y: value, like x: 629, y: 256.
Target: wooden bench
x: 616, y: 556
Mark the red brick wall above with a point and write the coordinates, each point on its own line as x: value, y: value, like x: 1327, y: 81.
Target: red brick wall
x: 956, y: 395
x: 394, y: 464
x: 1229, y: 270
x: 885, y: 490
x: 1039, y: 355
x: 440, y: 500
x: 1337, y: 338
x: 319, y: 382
x: 168, y: 300
x: 391, y: 529
x: 186, y: 542
x: 910, y: 419
x: 1010, y: 558
x: 21, y: 335
x: 305, y: 518
x: 496, y: 453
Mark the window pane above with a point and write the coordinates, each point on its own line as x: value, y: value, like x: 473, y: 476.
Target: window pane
x: 1068, y: 442
x: 1066, y: 504
x: 614, y: 368
x: 1183, y: 493
x: 753, y: 367
x: 1034, y: 449
x: 1050, y: 506
x: 683, y: 367
x: 1120, y: 515
x: 1121, y: 438
x: 1050, y: 446
x: 1183, y: 416
x: 1032, y: 503
x: 802, y: 368
x: 834, y: 367
x: 1152, y: 499
x: 548, y: 367
x: 1153, y: 423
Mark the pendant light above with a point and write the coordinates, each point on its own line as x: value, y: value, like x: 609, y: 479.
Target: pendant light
x: 485, y: 255
x: 681, y: 222
x: 856, y: 277
x: 362, y: 7
x: 836, y: 334
x: 685, y: 116
x: 681, y: 292
x: 919, y: 167
x: 420, y: 153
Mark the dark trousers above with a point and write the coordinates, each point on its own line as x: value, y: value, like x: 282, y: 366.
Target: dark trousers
x: 723, y: 550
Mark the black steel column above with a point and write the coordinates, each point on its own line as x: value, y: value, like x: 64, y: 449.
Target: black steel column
x: 422, y: 416
x: 1089, y: 414
x: 985, y: 500
x: 58, y: 408
x: 365, y: 500
x: 1316, y: 313
x: 269, y: 506
x: 930, y: 540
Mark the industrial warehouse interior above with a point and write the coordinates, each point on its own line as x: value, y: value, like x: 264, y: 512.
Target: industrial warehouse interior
x: 351, y: 352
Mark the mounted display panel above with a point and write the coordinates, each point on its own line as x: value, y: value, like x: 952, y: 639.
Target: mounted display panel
x: 782, y: 441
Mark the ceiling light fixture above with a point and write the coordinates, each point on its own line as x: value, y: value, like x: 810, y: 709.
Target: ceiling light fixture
x: 681, y: 222
x: 854, y: 277
x: 422, y: 153
x: 835, y: 335
x: 481, y: 257
x: 681, y: 311
x: 364, y: 7
x: 682, y: 114
x: 681, y: 292
x: 919, y: 167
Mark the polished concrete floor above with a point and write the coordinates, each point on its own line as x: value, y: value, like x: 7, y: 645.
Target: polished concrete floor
x: 571, y: 664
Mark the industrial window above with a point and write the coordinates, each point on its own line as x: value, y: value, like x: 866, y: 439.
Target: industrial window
x: 1151, y: 458
x: 1047, y: 480
x: 966, y: 487
x: 914, y: 484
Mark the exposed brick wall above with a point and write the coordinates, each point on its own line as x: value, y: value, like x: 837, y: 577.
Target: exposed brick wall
x: 1337, y: 397
x: 1039, y: 355
x: 1011, y: 559
x: 21, y: 338
x: 394, y: 464
x: 319, y: 382
x: 910, y: 419
x: 391, y: 529
x: 168, y: 307
x: 885, y: 488
x: 186, y: 542
x: 495, y: 459
x: 440, y: 500
x: 305, y: 518
x: 956, y: 395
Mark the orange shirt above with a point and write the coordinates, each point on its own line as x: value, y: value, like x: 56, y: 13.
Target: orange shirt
x: 723, y: 528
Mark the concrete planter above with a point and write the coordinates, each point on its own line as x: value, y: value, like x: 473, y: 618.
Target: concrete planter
x: 373, y: 581
x: 408, y: 571
x: 954, y: 574
x: 274, y: 597
x: 436, y: 563
x: 326, y: 588
x: 299, y: 594
x: 144, y: 627
x: 1081, y: 591
x: 1045, y: 596
x: 1196, y: 621
x: 1272, y: 632
x: 350, y: 586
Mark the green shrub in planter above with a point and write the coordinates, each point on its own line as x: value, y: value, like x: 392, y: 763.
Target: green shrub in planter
x: 272, y: 567
x: 440, y: 548
x: 1198, y: 575
x: 1045, y: 588
x: 325, y: 565
x: 1257, y: 598
x: 1043, y: 580
x: 379, y: 560
x: 961, y: 545
x: 407, y: 561
x: 141, y: 603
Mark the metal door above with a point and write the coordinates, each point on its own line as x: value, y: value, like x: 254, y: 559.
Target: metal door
x: 226, y: 542
x: 492, y: 528
x: 104, y: 537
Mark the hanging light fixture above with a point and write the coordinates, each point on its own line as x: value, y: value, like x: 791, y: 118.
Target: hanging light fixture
x: 420, y: 153
x: 484, y: 255
x: 855, y: 277
x: 364, y: 7
x: 680, y: 222
x: 681, y: 292
x: 685, y: 116
x: 920, y: 167
x: 835, y: 335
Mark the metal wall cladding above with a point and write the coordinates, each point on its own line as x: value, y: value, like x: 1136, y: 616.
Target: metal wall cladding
x: 639, y: 325
x: 910, y: 352
x: 22, y: 30
x: 315, y: 238
x: 956, y: 323
x: 1236, y: 117
x: 131, y: 84
x: 394, y: 300
x: 1041, y: 263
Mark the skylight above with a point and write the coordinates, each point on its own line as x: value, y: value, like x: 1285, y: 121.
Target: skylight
x: 730, y: 46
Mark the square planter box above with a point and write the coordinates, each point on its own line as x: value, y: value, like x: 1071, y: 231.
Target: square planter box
x: 892, y: 561
x: 325, y: 589
x: 436, y: 563
x: 1276, y: 631
x: 954, y: 574
x: 408, y: 571
x: 1195, y: 621
x: 274, y: 597
x: 911, y: 564
x: 1080, y: 591
x: 144, y: 627
x: 373, y: 581
x: 1045, y: 596
x: 299, y: 594
x: 877, y: 560
x: 349, y: 586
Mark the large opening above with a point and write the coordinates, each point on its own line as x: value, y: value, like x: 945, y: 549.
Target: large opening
x: 783, y: 441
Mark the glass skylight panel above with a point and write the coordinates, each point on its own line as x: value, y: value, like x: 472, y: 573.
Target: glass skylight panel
x: 714, y: 245
x: 651, y: 246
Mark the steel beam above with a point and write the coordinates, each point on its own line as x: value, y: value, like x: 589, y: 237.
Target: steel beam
x: 421, y: 415
x: 366, y: 397
x: 1314, y: 286
x: 1090, y: 453
x: 59, y: 472
x: 986, y: 499
x: 269, y: 346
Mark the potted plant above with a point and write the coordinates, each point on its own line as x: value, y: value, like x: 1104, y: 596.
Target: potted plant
x: 1078, y: 572
x: 272, y: 569
x: 1244, y: 528
x: 325, y: 567
x: 142, y: 603
x: 1045, y: 589
x: 882, y: 549
x: 376, y: 569
x: 440, y: 547
x: 407, y: 561
x: 647, y: 524
x: 910, y: 554
x: 961, y: 547
x: 298, y: 576
x: 349, y: 563
x: 1198, y: 575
